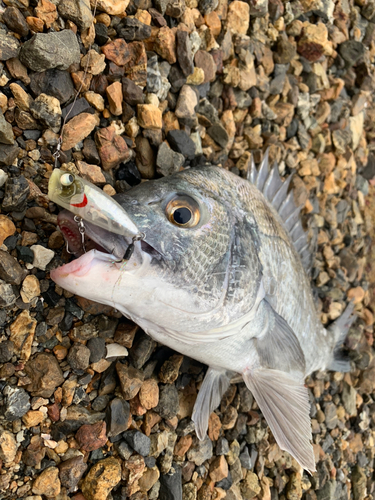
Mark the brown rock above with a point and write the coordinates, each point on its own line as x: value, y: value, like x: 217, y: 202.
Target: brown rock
x: 93, y: 62
x: 18, y: 70
x: 149, y: 394
x: 77, y: 129
x: 117, y: 51
x: 214, y: 427
x: 71, y: 472
x: 114, y: 94
x: 15, y: 21
x: 53, y: 412
x: 131, y: 380
x: 33, y: 418
x: 125, y: 333
x: 182, y: 445
x: 218, y: 469
x: 148, y: 479
x: 149, y: 116
x: 56, y: 240
x: 314, y: 42
x: 136, y: 67
x: 47, y: 483
x: 30, y: 288
x: 45, y: 375
x: 165, y: 44
x: 8, y: 446
x: 238, y: 17
x: 22, y: 332
x: 92, y: 173
x: 101, y: 479
x: 112, y: 148
x: 206, y: 62
x: 145, y: 158
x: 92, y: 437
x: 170, y: 369
x: 7, y: 228
x: 81, y: 80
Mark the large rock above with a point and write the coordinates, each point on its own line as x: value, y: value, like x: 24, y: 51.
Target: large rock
x: 50, y: 50
x: 101, y: 479
x: 78, y: 11
x: 53, y: 82
x: 9, y: 46
x: 6, y: 131
x: 45, y: 375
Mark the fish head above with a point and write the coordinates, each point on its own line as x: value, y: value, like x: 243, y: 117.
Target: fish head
x: 190, y: 272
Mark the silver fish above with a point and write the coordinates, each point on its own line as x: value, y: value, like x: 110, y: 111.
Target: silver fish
x: 220, y: 277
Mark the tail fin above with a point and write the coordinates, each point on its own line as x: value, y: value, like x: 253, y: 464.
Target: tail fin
x: 339, y: 329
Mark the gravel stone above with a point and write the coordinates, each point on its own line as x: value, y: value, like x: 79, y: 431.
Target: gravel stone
x: 118, y: 413
x: 138, y: 441
x: 17, y: 403
x: 171, y: 485
x: 168, y: 405
x: 50, y: 50
x: 79, y: 357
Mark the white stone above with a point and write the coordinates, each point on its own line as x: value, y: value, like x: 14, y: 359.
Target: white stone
x: 3, y: 177
x: 42, y: 256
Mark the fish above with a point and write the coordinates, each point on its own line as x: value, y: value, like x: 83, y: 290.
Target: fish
x: 222, y: 276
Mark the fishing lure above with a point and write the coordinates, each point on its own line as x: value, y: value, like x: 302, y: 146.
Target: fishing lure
x: 89, y: 203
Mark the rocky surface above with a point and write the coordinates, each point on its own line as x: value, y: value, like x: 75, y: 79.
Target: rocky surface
x: 90, y: 407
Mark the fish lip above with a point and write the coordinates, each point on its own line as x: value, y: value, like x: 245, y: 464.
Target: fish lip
x: 81, y: 266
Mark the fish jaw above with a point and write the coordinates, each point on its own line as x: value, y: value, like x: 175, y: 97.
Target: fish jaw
x: 83, y: 276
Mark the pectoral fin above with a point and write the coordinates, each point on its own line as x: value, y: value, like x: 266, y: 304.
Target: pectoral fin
x: 215, y: 383
x: 278, y: 348
x: 285, y: 405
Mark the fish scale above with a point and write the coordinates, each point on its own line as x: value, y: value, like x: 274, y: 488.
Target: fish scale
x: 230, y: 291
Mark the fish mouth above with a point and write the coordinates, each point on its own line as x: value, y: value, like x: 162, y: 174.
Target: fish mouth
x: 81, y: 236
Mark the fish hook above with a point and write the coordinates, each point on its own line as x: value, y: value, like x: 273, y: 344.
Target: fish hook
x: 130, y: 249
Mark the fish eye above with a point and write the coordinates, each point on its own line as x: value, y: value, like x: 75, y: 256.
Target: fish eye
x: 183, y: 211
x: 67, y: 180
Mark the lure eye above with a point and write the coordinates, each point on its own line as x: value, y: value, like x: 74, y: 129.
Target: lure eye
x: 67, y: 180
x: 183, y: 211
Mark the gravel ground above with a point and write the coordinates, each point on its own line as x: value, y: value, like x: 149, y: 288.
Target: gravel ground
x: 173, y: 84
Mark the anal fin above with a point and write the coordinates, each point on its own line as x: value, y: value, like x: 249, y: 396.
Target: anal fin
x: 214, y: 385
x: 285, y: 405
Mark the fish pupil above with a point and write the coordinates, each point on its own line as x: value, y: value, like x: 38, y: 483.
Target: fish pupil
x: 182, y: 215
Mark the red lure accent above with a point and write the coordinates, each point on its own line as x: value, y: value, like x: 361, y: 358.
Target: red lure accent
x: 82, y: 204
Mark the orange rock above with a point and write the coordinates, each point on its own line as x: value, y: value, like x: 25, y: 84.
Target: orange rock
x: 47, y: 12
x: 77, y: 129
x: 238, y: 17
x: 35, y: 24
x: 149, y: 116
x: 356, y: 294
x: 117, y: 51
x: 7, y: 228
x: 214, y: 427
x: 94, y: 62
x: 212, y: 20
x: 33, y: 418
x: 115, y: 97
x: 182, y: 445
x: 149, y: 394
x: 112, y: 148
x: 150, y: 420
x: 165, y: 44
x: 218, y: 469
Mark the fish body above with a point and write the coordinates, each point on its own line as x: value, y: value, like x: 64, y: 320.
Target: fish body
x: 220, y: 277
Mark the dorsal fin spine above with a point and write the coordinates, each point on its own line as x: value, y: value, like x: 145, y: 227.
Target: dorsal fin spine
x: 269, y: 182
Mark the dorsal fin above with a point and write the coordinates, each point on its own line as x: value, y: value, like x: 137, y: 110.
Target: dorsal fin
x: 269, y: 182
